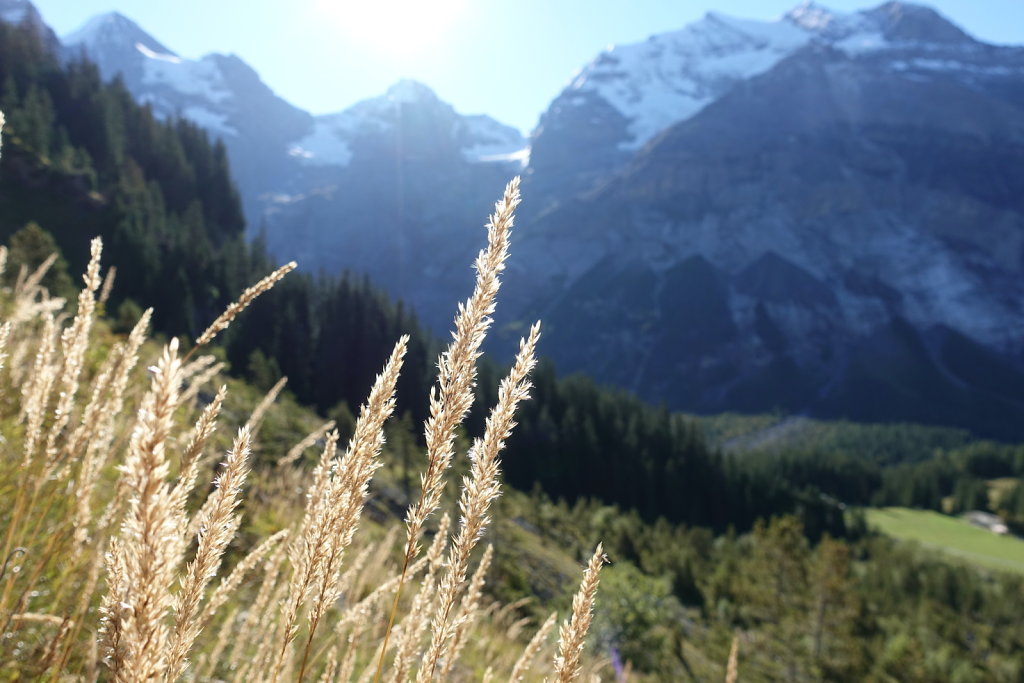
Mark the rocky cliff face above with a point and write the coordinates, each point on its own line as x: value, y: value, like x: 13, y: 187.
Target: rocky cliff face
x: 818, y: 238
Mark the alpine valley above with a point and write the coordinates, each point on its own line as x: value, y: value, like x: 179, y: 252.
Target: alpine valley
x: 821, y: 214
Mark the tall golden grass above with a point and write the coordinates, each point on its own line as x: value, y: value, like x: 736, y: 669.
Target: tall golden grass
x: 112, y: 561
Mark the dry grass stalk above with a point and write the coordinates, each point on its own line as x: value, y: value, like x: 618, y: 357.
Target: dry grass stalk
x: 307, y: 548
x: 364, y: 607
x: 296, y: 451
x: 108, y: 285
x: 74, y: 342
x: 100, y: 452
x: 331, y: 668
x: 5, y: 335
x: 409, y: 632
x: 331, y: 523
x: 194, y: 367
x: 260, y: 411
x: 573, y: 631
x: 732, y: 668
x: 36, y: 393
x: 197, y: 383
x: 351, y: 579
x: 452, y: 398
x: 349, y: 486
x: 91, y: 417
x: 348, y: 664
x: 143, y: 563
x: 217, y: 525
x: 80, y: 442
x: 525, y: 661
x: 206, y: 665
x: 438, y: 546
x: 188, y: 470
x: 247, y: 297
x: 479, y: 490
x: 250, y: 630
x: 265, y: 635
x: 232, y: 581
x: 28, y: 287
x: 469, y: 612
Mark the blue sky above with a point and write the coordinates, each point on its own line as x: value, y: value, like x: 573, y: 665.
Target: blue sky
x: 503, y: 58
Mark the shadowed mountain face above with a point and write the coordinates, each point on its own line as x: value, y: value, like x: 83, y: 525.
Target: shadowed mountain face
x: 405, y: 200
x: 820, y: 238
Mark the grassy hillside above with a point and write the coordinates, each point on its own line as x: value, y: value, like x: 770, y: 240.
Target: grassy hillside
x: 951, y: 535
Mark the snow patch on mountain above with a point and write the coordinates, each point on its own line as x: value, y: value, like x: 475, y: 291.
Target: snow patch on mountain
x: 485, y: 140
x: 326, y: 145
x: 195, y: 89
x: 212, y: 121
x: 196, y: 78
x: 152, y: 54
x: 671, y: 76
x: 952, y: 65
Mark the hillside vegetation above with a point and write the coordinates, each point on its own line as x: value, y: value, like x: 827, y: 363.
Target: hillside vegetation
x: 120, y: 572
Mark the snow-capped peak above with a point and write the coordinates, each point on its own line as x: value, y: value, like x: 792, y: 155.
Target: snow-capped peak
x: 812, y: 16
x: 196, y: 89
x: 480, y: 138
x: 671, y: 76
x: 114, y: 31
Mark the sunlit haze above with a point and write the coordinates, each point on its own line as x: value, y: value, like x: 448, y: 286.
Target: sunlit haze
x: 393, y: 29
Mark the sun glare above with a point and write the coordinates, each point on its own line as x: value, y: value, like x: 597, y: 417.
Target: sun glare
x: 398, y: 27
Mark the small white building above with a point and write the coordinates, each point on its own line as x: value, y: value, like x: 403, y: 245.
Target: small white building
x: 986, y: 520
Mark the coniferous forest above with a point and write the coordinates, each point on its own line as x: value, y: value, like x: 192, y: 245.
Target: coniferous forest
x: 766, y: 549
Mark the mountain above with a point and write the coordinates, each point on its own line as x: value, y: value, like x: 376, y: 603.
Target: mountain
x: 381, y: 188
x: 220, y: 93
x: 630, y: 93
x: 840, y: 232
x: 397, y: 187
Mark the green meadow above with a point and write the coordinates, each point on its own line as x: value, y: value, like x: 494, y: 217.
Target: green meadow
x: 951, y: 535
